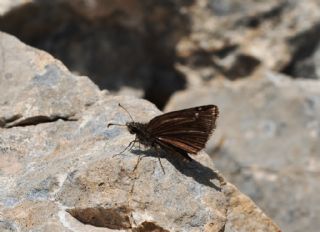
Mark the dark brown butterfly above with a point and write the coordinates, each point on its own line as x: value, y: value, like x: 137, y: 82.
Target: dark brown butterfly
x: 181, y: 132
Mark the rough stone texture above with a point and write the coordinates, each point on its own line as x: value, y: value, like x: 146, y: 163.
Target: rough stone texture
x: 308, y: 67
x: 269, y: 129
x: 23, y: 85
x: 145, y: 48
x: 235, y: 38
x: 58, y: 172
x: 150, y: 50
x: 125, y: 46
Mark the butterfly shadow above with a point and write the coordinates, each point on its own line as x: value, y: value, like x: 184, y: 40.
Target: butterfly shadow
x: 200, y: 173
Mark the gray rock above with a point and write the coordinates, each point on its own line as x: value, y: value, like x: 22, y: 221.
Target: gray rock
x: 39, y: 88
x: 307, y: 67
x: 120, y: 45
x: 58, y: 171
x: 267, y: 143
x: 229, y: 38
x: 234, y: 38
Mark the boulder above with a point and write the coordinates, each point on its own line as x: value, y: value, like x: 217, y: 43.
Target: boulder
x: 234, y: 38
x: 147, y: 49
x: 59, y: 170
x: 267, y: 142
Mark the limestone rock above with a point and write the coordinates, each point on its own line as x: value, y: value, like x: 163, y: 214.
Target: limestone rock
x: 307, y: 67
x: 35, y: 98
x: 145, y: 48
x: 119, y: 44
x: 235, y: 38
x: 267, y: 142
x: 58, y: 171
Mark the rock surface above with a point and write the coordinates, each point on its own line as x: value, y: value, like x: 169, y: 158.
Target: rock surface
x: 235, y: 38
x: 270, y: 133
x: 308, y: 67
x: 125, y: 46
x: 134, y: 47
x: 170, y: 45
x: 58, y: 172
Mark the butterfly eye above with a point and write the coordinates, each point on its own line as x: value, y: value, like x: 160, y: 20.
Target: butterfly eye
x: 132, y: 129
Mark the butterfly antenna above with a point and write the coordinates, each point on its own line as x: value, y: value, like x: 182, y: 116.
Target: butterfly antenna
x: 115, y: 124
x: 127, y: 112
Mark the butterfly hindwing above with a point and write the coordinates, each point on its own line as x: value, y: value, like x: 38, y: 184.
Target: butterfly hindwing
x: 187, y: 129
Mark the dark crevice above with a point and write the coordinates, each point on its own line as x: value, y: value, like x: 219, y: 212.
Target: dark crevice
x: 223, y: 229
x: 32, y: 121
x: 241, y: 65
x: 112, y: 218
x: 225, y: 51
x: 5, y: 121
x: 204, y: 58
x: 304, y: 45
x: 149, y: 227
x: 255, y: 21
x: 164, y: 85
x: 122, y: 48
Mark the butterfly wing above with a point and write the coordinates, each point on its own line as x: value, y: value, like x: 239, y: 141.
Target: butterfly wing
x: 187, y: 129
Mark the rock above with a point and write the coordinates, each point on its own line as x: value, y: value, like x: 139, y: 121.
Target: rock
x: 148, y: 49
x: 262, y: 29
x: 58, y: 171
x: 120, y: 45
x: 35, y: 98
x: 235, y: 39
x: 306, y: 67
x: 267, y: 142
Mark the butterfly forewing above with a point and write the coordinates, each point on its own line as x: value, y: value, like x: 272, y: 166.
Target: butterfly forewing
x: 187, y: 129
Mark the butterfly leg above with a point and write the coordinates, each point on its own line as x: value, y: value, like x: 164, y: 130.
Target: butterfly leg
x: 139, y: 158
x: 138, y: 161
x: 158, y: 153
x: 131, y: 144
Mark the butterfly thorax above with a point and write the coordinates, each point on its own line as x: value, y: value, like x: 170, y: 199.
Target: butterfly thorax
x: 141, y: 132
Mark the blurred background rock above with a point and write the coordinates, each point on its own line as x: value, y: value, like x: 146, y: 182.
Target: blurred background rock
x: 257, y: 60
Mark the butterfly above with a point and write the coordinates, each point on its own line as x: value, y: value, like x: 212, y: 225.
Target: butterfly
x: 181, y: 132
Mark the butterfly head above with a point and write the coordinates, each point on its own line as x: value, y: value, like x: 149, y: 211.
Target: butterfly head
x: 133, y: 127
x: 140, y: 130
